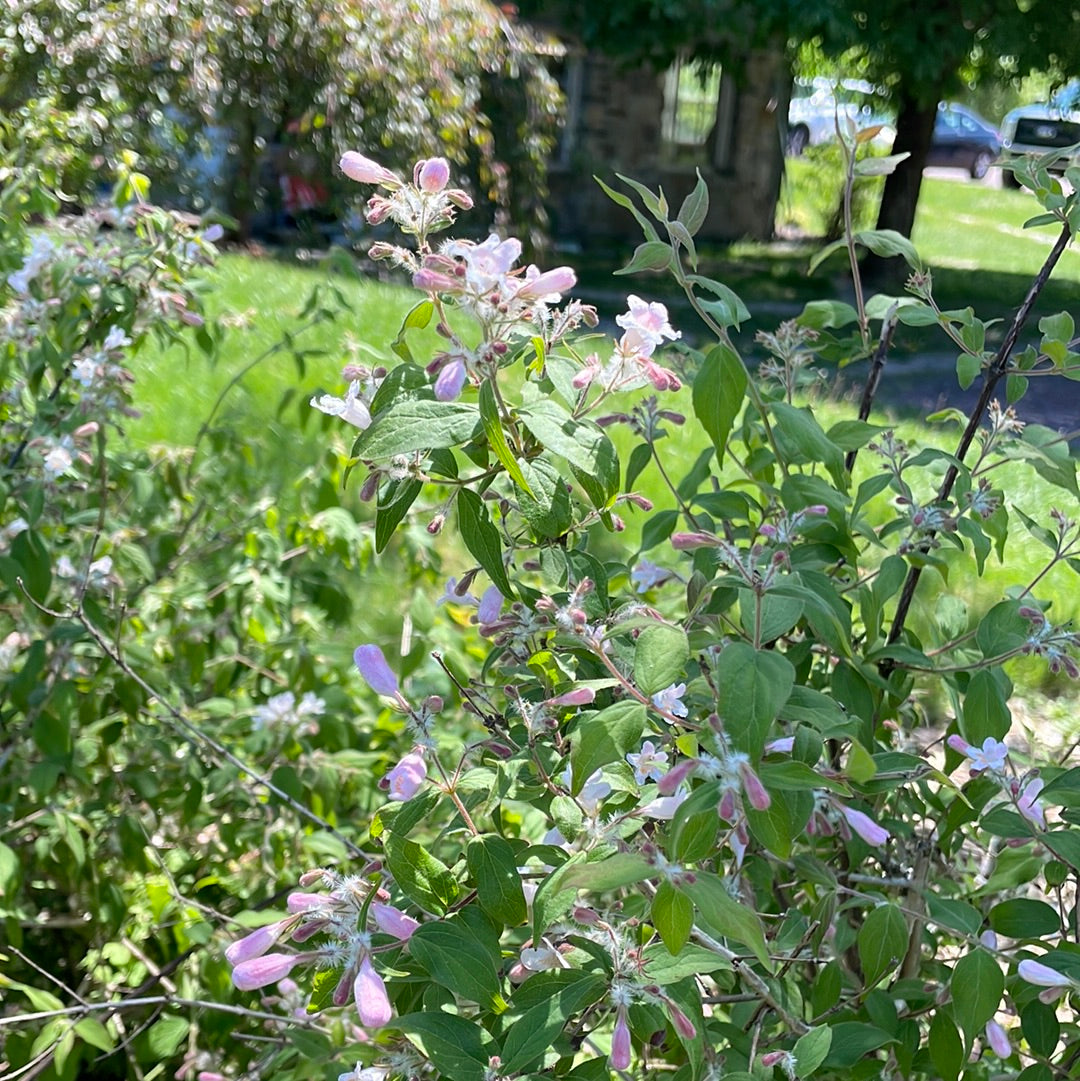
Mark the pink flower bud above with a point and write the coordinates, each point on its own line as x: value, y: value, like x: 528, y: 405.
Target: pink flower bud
x: 432, y: 175
x: 376, y: 672
x: 783, y: 745
x: 620, y: 1043
x: 434, y: 281
x: 865, y: 826
x: 309, y: 878
x: 260, y: 971
x: 680, y: 1022
x: 405, y: 779
x: 998, y: 1040
x: 755, y: 791
x: 372, y: 1002
x: 450, y: 381
x: 393, y: 921
x: 773, y: 1058
x: 304, y: 902
x: 989, y: 940
x: 1042, y: 975
x: 365, y: 171
x: 460, y: 198
x: 675, y: 776
x: 727, y: 808
x: 255, y: 944
x: 684, y: 542
x: 580, y: 696
x: 490, y: 605
x: 958, y: 743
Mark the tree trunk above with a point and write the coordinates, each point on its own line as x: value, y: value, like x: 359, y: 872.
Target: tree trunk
x: 914, y: 132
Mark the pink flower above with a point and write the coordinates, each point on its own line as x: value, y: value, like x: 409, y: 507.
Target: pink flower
x: 376, y: 672
x: 435, y: 281
x: 432, y: 175
x: 865, y: 826
x: 487, y: 264
x: 304, y: 902
x: 255, y: 944
x: 365, y: 171
x: 372, y: 1002
x: 450, y: 381
x: 649, y: 320
x: 393, y: 921
x: 783, y: 745
x: 580, y: 696
x: 661, y: 378
x: 547, y: 286
x: 679, y: 1021
x: 684, y: 542
x: 260, y: 971
x: 997, y: 1040
x: 620, y: 1042
x: 406, y: 778
x: 676, y: 775
x: 1028, y: 803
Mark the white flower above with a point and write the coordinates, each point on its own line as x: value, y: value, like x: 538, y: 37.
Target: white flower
x: 647, y: 574
x: 669, y: 700
x: 282, y: 711
x: 592, y: 791
x: 650, y: 763
x: 115, y: 339
x: 58, y: 461
x: 649, y: 320
x: 86, y: 369
x: 352, y: 408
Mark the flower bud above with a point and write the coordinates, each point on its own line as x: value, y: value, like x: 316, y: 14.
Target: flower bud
x: 365, y: 171
x: 372, y: 664
x: 260, y: 971
x: 997, y: 1039
x: 1042, y: 975
x: 755, y: 791
x: 372, y: 1002
x: 432, y: 175
x: 620, y: 1043
x: 684, y: 542
x: 865, y: 826
x: 255, y: 944
x: 304, y: 902
x: 580, y: 696
x: 393, y: 921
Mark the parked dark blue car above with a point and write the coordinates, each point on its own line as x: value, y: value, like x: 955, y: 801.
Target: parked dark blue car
x: 963, y: 140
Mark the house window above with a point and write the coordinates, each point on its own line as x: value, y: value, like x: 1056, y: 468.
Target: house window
x: 691, y: 100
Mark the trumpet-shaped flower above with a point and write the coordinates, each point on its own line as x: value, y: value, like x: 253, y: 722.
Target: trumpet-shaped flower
x: 669, y: 700
x: 865, y: 826
x: 393, y: 921
x: 990, y: 756
x: 372, y: 1001
x: 269, y: 968
x: 649, y: 763
x: 407, y: 777
x: 376, y: 672
x: 620, y: 1042
x: 1028, y: 803
x: 365, y: 171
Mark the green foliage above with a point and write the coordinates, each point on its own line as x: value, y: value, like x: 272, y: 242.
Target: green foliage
x: 681, y: 814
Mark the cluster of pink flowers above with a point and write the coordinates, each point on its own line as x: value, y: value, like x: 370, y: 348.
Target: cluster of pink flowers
x: 335, y: 914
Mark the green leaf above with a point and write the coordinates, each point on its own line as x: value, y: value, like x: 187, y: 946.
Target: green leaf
x: 627, y: 203
x: 986, y: 708
x: 416, y: 424
x: 852, y: 1041
x: 93, y: 1032
x: 672, y: 914
x: 822, y: 314
x: 581, y: 443
x: 774, y: 827
x: 622, y: 869
x: 811, y: 1049
x: 535, y: 1031
x: 482, y: 539
x: 778, y: 614
x: 498, y: 885
x: 395, y: 500
x: 946, y: 1047
x: 695, y: 207
x: 652, y: 255
x: 753, y: 686
x: 660, y: 655
x: 422, y: 878
x: 662, y: 967
x: 977, y: 986
x: 1002, y: 630
x: 889, y: 243
x: 883, y: 166
x: 457, y: 1048
x: 695, y: 824
x: 496, y: 437
x: 455, y: 957
x: 417, y: 319
x: 967, y: 369
x: 1024, y: 917
x: 956, y: 915
x: 603, y: 738
x: 803, y: 442
x: 166, y: 1036
x: 882, y: 941
x: 725, y: 916
x: 1040, y: 1026
x: 548, y: 509
x: 719, y: 388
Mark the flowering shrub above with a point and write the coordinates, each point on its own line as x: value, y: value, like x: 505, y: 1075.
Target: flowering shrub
x: 697, y: 826
x: 672, y: 813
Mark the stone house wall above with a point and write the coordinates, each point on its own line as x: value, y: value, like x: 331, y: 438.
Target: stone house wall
x: 615, y: 124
